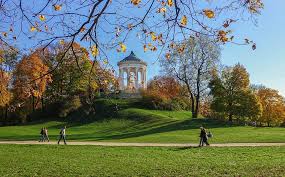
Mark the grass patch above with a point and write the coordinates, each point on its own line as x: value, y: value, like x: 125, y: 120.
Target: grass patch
x: 53, y: 160
x: 141, y: 125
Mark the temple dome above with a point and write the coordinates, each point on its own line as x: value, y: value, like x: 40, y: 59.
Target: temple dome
x: 132, y: 58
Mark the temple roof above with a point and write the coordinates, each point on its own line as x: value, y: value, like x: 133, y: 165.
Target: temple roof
x: 132, y: 58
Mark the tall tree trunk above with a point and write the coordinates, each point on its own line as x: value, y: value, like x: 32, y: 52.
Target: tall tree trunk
x: 197, y: 108
x: 6, y: 113
x: 230, y: 111
x: 33, y: 103
x: 231, y: 117
x: 198, y: 95
x: 192, y: 99
x: 42, y: 99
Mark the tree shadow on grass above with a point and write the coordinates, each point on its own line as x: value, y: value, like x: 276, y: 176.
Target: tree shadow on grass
x: 154, y: 128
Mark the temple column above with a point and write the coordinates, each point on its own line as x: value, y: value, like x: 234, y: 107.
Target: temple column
x: 128, y: 77
x: 137, y: 78
x: 121, y: 76
x: 144, y: 78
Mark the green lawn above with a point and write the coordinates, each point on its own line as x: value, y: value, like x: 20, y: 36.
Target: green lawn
x: 140, y: 125
x: 53, y: 160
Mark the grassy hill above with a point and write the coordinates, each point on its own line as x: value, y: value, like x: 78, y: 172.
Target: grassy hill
x: 126, y: 121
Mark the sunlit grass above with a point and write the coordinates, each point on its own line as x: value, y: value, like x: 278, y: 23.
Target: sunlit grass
x: 53, y: 160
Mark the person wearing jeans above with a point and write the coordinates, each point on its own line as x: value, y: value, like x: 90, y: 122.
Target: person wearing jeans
x: 62, y: 135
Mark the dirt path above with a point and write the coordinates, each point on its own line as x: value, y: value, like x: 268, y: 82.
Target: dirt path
x: 95, y: 143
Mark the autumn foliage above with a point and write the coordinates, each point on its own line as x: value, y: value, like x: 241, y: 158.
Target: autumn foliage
x: 50, y: 81
x: 273, y: 106
x: 165, y: 92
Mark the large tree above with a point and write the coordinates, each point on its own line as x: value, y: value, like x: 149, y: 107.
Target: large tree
x: 8, y: 60
x: 232, y: 95
x: 76, y: 74
x: 192, y: 66
x: 26, y: 82
x: 273, y: 106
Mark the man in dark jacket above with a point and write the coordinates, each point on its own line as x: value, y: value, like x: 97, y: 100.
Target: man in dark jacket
x: 42, y: 135
x: 203, y: 137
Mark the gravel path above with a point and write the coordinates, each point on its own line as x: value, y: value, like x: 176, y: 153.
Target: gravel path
x: 95, y: 143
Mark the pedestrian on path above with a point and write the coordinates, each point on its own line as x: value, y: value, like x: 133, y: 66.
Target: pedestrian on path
x: 62, y: 135
x: 42, y: 135
x: 203, y: 137
x: 46, y: 134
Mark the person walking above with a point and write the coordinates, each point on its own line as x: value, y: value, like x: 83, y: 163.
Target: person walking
x: 62, y: 135
x: 42, y: 135
x: 203, y: 137
x: 46, y: 134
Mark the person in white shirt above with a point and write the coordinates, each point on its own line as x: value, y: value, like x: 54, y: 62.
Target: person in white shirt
x: 62, y: 135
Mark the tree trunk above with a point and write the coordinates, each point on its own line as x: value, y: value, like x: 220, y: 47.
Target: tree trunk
x: 42, y: 99
x: 197, y: 108
x: 6, y: 113
x: 33, y: 103
x: 192, y: 100
x: 231, y: 117
x: 198, y: 95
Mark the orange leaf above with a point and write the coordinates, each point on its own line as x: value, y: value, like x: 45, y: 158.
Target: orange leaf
x: 135, y: 2
x: 57, y: 7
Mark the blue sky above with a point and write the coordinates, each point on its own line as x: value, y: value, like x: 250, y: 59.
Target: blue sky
x: 266, y: 65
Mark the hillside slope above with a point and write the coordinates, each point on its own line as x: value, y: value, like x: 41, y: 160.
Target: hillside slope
x: 129, y: 123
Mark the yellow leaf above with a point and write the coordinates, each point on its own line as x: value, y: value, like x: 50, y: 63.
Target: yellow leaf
x: 184, y: 20
x: 153, y: 37
x: 135, y: 2
x: 161, y: 10
x: 105, y: 61
x: 222, y: 35
x: 42, y: 17
x: 170, y: 2
x: 57, y: 7
x: 61, y: 42
x: 209, y: 13
x: 94, y: 50
x: 33, y: 28
x: 123, y: 47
